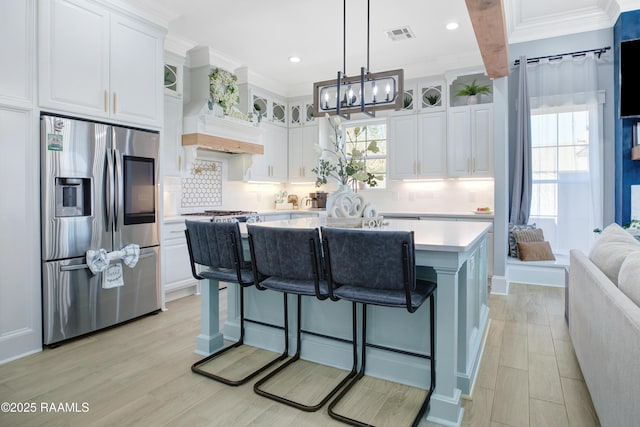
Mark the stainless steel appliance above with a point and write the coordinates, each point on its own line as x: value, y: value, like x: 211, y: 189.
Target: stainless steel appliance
x: 318, y: 199
x: 98, y: 191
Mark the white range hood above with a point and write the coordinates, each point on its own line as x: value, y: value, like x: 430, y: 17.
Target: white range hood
x: 220, y: 134
x: 202, y: 129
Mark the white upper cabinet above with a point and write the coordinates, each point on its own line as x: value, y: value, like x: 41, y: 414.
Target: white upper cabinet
x: 302, y: 153
x: 268, y: 167
x: 97, y: 62
x: 136, y: 70
x: 470, y: 141
x: 18, y: 49
x: 172, y: 152
x: 301, y: 113
x: 417, y: 146
x: 422, y: 97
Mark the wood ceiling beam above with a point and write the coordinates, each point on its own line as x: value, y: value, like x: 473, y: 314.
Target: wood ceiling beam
x: 487, y: 18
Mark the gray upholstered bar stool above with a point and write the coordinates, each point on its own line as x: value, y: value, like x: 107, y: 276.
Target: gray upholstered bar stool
x: 217, y: 246
x: 377, y: 267
x: 289, y: 260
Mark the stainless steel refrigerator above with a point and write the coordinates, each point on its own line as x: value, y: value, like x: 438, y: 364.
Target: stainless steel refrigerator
x: 99, y: 190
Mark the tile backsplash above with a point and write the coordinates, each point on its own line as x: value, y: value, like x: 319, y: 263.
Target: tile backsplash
x: 203, y: 186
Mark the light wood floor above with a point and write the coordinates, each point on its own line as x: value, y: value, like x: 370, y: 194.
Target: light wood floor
x: 138, y: 374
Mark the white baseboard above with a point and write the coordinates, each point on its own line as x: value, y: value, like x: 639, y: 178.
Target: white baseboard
x: 499, y: 285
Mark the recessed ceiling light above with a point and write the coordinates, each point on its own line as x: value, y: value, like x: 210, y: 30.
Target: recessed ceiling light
x: 452, y: 26
x: 294, y: 59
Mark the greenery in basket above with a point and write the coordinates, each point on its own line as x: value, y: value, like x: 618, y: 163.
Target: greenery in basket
x: 346, y: 168
x: 223, y: 88
x: 473, y: 89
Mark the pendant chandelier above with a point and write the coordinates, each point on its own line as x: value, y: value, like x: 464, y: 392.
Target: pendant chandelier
x: 366, y: 93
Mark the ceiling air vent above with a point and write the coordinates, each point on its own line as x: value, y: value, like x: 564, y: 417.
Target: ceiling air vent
x: 400, y: 33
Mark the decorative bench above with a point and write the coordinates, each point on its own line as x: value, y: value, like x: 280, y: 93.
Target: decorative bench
x: 548, y: 273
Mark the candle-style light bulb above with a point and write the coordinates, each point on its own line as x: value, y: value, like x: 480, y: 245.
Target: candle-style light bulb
x: 375, y: 92
x: 388, y: 89
x: 350, y: 95
x: 326, y: 100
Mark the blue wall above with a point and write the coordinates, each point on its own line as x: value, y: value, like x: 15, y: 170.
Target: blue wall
x: 627, y: 171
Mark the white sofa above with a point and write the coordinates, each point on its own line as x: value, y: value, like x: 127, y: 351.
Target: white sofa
x: 604, y: 324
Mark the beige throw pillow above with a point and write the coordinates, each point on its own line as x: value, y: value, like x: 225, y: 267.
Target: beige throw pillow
x: 629, y: 277
x: 534, y: 235
x: 535, y: 251
x: 610, y: 250
x: 526, y: 235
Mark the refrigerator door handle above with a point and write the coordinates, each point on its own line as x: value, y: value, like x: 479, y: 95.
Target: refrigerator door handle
x: 108, y: 191
x: 118, y: 189
x: 85, y: 266
x: 73, y: 267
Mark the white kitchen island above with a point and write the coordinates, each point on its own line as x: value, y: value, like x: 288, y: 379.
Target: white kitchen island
x: 452, y: 252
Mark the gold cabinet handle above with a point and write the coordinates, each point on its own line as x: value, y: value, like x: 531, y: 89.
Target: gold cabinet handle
x: 106, y: 101
x: 114, y: 103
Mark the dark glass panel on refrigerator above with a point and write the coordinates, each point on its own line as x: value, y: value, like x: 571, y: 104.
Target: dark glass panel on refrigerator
x: 139, y: 190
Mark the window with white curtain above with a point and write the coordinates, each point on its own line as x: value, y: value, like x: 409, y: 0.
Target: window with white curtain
x: 566, y: 150
x: 561, y: 182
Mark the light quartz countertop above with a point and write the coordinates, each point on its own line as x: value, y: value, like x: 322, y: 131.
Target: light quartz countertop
x: 471, y: 215
x: 447, y: 236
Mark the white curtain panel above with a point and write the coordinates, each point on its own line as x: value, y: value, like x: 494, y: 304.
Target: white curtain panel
x: 565, y: 85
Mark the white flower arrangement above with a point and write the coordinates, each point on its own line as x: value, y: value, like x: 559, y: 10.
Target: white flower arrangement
x: 223, y: 87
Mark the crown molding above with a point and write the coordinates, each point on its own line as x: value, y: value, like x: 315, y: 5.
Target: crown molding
x: 554, y: 25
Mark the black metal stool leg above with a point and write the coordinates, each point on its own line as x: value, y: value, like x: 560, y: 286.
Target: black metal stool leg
x: 309, y: 408
x: 432, y: 358
x: 197, y: 367
x: 424, y: 407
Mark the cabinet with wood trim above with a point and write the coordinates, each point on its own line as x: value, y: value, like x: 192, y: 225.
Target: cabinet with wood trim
x: 97, y: 62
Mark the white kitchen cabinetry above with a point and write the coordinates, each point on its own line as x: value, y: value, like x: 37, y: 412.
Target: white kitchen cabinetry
x: 20, y: 309
x: 302, y: 153
x: 423, y: 96
x: 470, y: 141
x: 273, y: 110
x: 272, y: 165
x: 172, y: 152
x: 301, y: 112
x: 417, y: 145
x: 20, y: 285
x: 17, y: 31
x: 96, y: 62
x: 176, y: 267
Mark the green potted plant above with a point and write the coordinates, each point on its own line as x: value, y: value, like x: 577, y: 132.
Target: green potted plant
x: 432, y: 99
x: 407, y: 101
x: 472, y: 91
x: 258, y: 110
